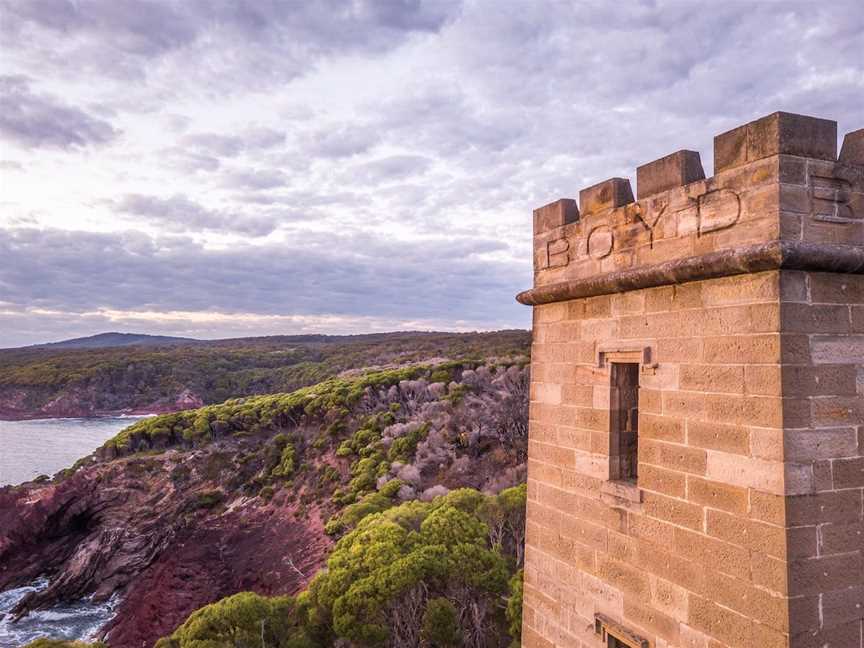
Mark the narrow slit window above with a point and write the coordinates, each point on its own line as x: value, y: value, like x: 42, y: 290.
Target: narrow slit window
x: 615, y: 643
x: 624, y: 438
x: 614, y: 635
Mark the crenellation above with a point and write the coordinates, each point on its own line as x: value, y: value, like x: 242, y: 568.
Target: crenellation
x: 778, y: 133
x: 609, y: 194
x: 776, y: 209
x: 852, y: 151
x: 674, y: 170
x: 739, y: 298
x: 557, y: 214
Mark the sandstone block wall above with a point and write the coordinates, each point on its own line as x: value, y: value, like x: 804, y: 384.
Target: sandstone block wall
x: 823, y: 414
x: 741, y: 297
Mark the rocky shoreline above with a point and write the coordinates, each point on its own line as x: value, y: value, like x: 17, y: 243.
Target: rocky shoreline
x: 153, y: 529
x: 11, y: 409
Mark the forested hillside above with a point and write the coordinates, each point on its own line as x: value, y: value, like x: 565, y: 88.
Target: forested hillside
x: 46, y: 382
x: 382, y: 507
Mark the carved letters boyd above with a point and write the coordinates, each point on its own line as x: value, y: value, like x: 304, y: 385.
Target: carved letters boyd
x: 710, y: 211
x: 714, y: 210
x: 600, y: 242
x: 717, y: 210
x: 650, y: 212
x: 557, y: 253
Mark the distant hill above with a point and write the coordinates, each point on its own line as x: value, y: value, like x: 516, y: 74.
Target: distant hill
x: 116, y: 373
x: 105, y: 340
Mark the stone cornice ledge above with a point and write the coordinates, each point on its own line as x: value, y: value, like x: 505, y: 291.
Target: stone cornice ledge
x: 775, y: 255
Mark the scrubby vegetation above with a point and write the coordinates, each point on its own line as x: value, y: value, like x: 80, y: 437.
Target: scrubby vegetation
x: 244, y: 619
x: 256, y: 414
x: 413, y: 474
x: 392, y: 430
x: 419, y: 560
x: 114, y: 379
x: 442, y: 574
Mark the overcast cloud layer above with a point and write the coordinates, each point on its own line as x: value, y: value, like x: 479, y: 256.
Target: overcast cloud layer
x: 217, y: 168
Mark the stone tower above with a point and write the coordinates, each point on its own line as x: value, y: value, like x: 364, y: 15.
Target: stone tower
x: 696, y: 453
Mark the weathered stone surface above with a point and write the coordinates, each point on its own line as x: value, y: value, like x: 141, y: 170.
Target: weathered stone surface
x: 775, y: 255
x: 800, y: 201
x: 674, y: 170
x: 561, y: 212
x: 852, y: 151
x: 608, y: 194
x: 741, y: 298
x: 773, y: 134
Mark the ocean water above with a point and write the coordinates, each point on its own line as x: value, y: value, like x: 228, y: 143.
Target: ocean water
x: 79, y: 621
x: 43, y: 447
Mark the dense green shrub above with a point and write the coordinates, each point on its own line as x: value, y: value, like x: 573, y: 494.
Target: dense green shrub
x: 456, y: 393
x: 285, y: 468
x: 329, y: 475
x: 404, y: 447
x: 514, y: 609
x: 371, y: 503
x: 244, y: 619
x: 441, y: 624
x: 261, y: 413
x: 436, y: 553
x: 441, y: 375
x: 365, y: 474
x: 437, y: 545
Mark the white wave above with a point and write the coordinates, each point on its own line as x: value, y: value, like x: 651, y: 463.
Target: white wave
x: 78, y: 621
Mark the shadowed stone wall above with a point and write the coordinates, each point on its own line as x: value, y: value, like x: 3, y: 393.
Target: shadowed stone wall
x: 741, y: 298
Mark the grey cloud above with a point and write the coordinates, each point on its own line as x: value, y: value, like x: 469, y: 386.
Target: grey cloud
x: 389, y: 169
x: 627, y: 77
x: 42, y: 121
x: 206, y: 151
x: 251, y: 140
x: 254, y: 179
x: 318, y: 275
x: 343, y: 140
x: 601, y: 88
x: 129, y: 26
x: 190, y: 160
x: 113, y: 37
x: 420, y: 15
x: 441, y: 118
x: 213, y: 143
x: 177, y: 122
x: 122, y: 39
x: 180, y: 214
x: 305, y: 199
x: 539, y: 104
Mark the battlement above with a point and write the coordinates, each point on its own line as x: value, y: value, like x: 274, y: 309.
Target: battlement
x: 780, y: 197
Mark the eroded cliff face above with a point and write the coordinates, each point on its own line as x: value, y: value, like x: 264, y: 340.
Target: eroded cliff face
x: 188, y: 508
x: 170, y: 532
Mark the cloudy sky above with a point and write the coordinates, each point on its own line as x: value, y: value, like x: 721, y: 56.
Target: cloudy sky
x: 215, y: 168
